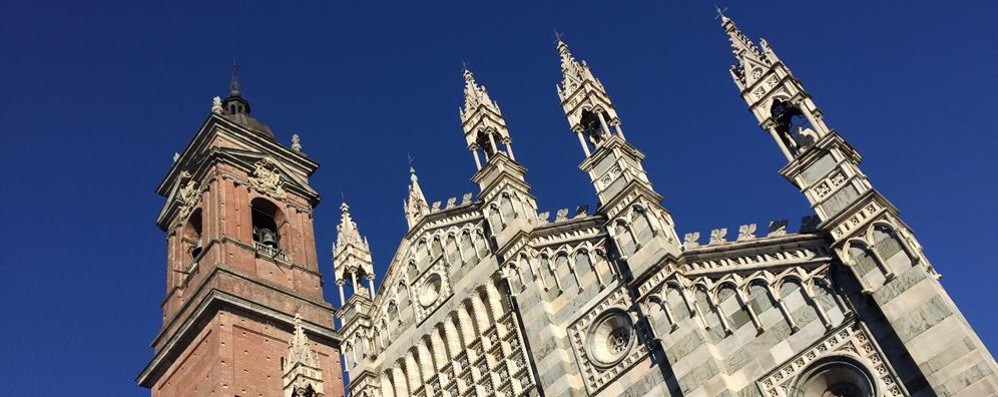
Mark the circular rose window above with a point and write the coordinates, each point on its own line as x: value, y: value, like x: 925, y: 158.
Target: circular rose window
x: 610, y: 337
x: 430, y: 290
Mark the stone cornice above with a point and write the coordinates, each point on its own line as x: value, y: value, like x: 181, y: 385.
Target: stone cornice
x: 209, y: 128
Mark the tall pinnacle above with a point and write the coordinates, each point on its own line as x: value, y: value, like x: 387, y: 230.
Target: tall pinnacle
x: 475, y: 95
x: 574, y: 73
x: 748, y: 57
x: 415, y: 207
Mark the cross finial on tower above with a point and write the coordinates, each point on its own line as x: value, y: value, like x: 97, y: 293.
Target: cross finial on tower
x: 234, y: 80
x: 720, y: 13
x: 557, y: 36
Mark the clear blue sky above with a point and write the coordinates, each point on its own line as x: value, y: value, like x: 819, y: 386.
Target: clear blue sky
x: 96, y: 98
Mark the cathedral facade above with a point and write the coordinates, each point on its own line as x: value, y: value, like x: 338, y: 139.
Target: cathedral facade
x: 486, y: 296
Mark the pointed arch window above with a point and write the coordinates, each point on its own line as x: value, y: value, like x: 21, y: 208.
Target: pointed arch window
x: 453, y: 254
x: 506, y: 205
x: 467, y: 247
x: 889, y: 248
x: 625, y: 240
x: 641, y: 225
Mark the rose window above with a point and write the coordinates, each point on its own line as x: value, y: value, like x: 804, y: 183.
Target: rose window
x: 610, y: 338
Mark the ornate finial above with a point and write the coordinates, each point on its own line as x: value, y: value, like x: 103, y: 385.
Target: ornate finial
x: 720, y: 14
x: 234, y: 80
x: 295, y: 143
x: 557, y: 37
x: 216, y: 105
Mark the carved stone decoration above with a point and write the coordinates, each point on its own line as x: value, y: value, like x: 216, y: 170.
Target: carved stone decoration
x: 850, y: 342
x: 561, y: 215
x: 606, y: 340
x: 216, y: 105
x: 267, y: 180
x: 691, y: 240
x: 746, y: 232
x: 777, y: 228
x: 188, y: 195
x: 296, y: 143
x: 610, y: 338
x: 719, y: 236
x: 466, y: 199
x: 451, y: 202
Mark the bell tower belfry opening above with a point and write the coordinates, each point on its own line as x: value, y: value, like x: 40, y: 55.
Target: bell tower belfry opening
x: 243, y: 281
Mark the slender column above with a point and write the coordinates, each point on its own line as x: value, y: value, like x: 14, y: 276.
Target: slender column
x: 370, y: 285
x: 478, y: 161
x: 492, y: 141
x: 620, y: 132
x: 343, y: 300
x: 582, y: 141
x: 353, y: 278
x: 779, y: 142
x: 509, y: 148
x: 602, y: 123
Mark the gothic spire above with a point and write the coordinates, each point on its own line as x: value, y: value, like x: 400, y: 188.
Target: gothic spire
x: 415, y: 207
x: 483, y: 124
x: 574, y: 73
x: 351, y: 255
x: 301, y: 366
x: 476, y: 95
x: 748, y: 57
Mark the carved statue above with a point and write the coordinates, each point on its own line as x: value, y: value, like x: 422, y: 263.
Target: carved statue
x: 188, y: 195
x: 267, y: 180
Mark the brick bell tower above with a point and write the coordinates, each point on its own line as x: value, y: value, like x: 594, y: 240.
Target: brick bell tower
x: 244, y: 313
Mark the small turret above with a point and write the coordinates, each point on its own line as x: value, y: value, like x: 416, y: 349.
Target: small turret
x: 483, y: 124
x: 352, y: 256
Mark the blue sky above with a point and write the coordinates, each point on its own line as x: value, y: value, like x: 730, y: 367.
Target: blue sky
x: 96, y: 98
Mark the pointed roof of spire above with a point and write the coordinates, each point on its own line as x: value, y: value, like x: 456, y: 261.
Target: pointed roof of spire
x: 476, y: 95
x: 234, y: 81
x: 299, y: 347
x: 415, y: 206
x: 236, y: 108
x: 573, y: 72
x: 346, y: 231
x: 747, y: 54
x: 351, y: 252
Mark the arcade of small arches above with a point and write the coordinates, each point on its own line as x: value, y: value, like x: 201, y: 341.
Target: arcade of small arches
x: 681, y: 298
